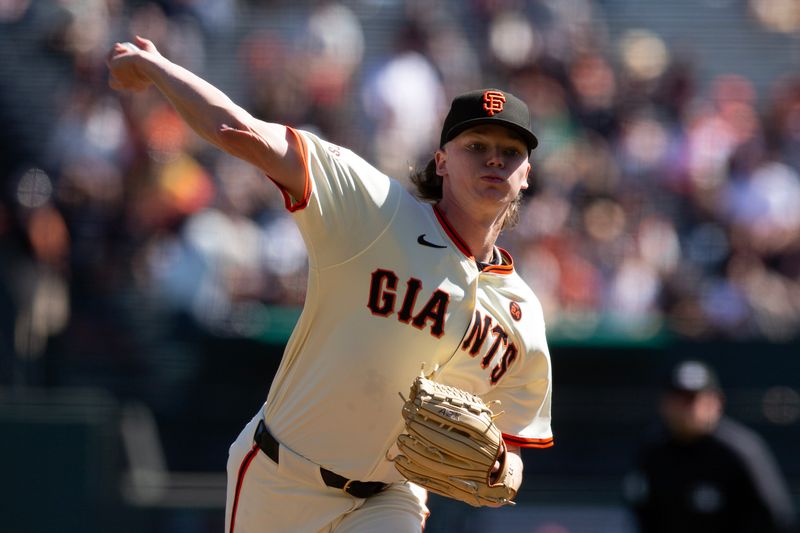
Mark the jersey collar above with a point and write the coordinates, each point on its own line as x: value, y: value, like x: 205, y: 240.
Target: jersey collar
x: 507, y: 267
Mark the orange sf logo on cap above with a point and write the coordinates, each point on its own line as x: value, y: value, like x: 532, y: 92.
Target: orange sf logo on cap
x: 493, y: 102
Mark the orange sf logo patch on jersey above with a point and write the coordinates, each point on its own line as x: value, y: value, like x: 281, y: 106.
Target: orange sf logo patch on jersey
x: 493, y: 102
x: 515, y: 310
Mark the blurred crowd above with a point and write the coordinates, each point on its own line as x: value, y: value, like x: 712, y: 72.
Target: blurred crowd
x: 660, y: 202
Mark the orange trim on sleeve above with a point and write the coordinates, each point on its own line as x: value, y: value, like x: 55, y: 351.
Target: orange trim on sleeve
x: 523, y: 442
x: 301, y: 203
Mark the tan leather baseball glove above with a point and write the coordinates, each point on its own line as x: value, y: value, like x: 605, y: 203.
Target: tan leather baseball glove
x: 451, y: 445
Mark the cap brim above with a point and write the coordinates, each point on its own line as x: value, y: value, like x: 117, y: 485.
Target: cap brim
x: 527, y: 135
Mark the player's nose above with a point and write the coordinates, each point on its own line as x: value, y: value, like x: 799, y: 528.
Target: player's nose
x: 495, y: 158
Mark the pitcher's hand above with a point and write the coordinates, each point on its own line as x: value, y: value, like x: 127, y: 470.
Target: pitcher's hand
x: 125, y: 65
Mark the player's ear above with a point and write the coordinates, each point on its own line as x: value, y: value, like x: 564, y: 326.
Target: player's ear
x: 440, y: 162
x: 526, y: 183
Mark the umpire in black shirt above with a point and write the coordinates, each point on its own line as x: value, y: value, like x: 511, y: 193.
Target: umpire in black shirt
x: 705, y: 473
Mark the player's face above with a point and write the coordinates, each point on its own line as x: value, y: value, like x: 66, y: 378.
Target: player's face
x: 483, y: 169
x: 690, y: 415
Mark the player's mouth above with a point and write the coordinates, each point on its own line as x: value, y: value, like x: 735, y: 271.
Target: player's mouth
x: 492, y: 179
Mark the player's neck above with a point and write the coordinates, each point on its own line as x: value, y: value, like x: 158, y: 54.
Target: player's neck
x: 479, y: 233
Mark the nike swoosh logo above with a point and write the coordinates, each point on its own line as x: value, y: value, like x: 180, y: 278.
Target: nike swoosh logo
x: 421, y: 240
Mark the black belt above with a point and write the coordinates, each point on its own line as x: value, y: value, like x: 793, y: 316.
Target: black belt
x: 359, y: 489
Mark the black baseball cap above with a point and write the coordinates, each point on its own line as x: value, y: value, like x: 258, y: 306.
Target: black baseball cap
x: 693, y: 376
x: 488, y: 106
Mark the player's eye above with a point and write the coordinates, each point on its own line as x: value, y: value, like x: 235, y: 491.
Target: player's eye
x: 476, y: 147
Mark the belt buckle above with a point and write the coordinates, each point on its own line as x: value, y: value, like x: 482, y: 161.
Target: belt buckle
x: 347, y: 486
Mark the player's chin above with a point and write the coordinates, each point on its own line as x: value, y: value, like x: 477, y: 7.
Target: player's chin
x: 499, y: 186
x: 498, y: 197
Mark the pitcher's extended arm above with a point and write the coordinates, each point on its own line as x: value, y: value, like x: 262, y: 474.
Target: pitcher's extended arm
x: 209, y: 112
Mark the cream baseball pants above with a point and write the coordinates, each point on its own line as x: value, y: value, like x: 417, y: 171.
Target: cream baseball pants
x: 290, y: 497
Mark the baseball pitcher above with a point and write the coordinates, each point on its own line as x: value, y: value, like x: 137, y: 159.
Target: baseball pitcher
x: 419, y: 361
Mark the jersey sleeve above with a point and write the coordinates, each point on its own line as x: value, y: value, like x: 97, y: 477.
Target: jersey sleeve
x: 525, y: 421
x: 525, y: 393
x: 346, y: 201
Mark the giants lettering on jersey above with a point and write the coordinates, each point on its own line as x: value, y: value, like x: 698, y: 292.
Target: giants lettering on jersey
x: 482, y: 326
x: 383, y: 297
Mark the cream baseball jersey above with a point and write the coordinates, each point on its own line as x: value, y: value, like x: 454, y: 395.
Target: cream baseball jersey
x: 392, y: 288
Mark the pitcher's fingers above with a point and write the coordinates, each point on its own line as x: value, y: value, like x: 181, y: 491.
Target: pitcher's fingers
x: 145, y: 44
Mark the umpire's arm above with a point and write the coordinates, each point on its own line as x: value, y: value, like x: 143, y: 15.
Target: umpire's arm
x: 210, y: 113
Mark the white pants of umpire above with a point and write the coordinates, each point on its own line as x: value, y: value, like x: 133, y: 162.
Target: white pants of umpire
x: 291, y: 497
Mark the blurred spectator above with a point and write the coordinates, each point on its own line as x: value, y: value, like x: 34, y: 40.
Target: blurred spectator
x: 405, y: 99
x: 776, y: 15
x: 705, y: 473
